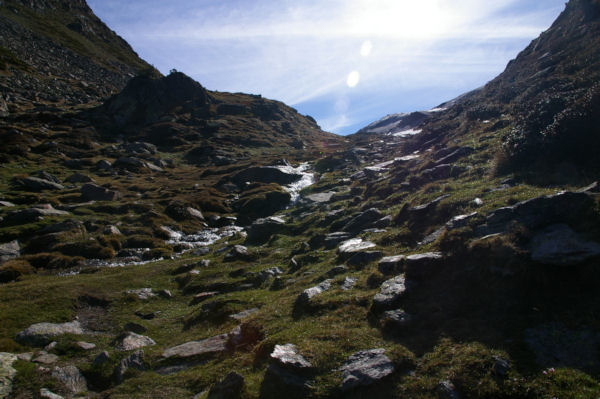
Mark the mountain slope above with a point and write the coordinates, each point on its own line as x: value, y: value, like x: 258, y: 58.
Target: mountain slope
x: 178, y: 248
x: 55, y: 51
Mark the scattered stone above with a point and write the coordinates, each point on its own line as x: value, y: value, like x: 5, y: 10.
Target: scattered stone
x: 360, y: 259
x: 460, y: 221
x: 391, y: 290
x: 478, y: 201
x: 560, y: 245
x: 111, y: 230
x: 6, y: 204
x: 420, y: 266
x: 364, y: 220
x: 238, y: 252
x: 131, y: 341
x: 365, y: 368
x: 42, y: 333
x: 348, y: 283
x: 193, y: 349
x: 266, y: 274
x: 309, y: 293
x: 51, y: 346
x: 287, y: 356
x: 44, y: 357
x: 351, y: 247
x: 203, y: 296
x: 395, y: 318
x: 262, y: 229
x: 447, y: 390
x: 71, y: 378
x: 7, y: 373
x: 229, y: 388
x: 333, y: 239
x: 9, y: 250
x: 103, y: 164
x: 244, y: 314
x: 142, y: 293
x: 165, y: 294
x: 383, y: 222
x: 86, y: 346
x: 33, y: 214
x: 321, y: 197
x: 37, y: 184
x: 47, y: 394
x: 94, y: 192
x: 26, y: 357
x: 391, y: 264
x: 133, y: 361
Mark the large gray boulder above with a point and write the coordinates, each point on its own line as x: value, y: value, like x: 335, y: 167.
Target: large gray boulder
x: 41, y: 334
x: 131, y: 341
x: 560, y: 245
x: 38, y: 184
x: 389, y: 293
x: 262, y: 229
x: 364, y: 368
x: 196, y: 349
x: 9, y: 250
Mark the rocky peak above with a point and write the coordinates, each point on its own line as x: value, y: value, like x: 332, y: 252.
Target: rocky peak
x: 145, y: 100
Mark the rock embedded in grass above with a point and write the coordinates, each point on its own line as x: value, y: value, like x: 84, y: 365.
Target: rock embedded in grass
x: 389, y: 293
x: 365, y: 368
x: 41, y: 334
x: 130, y: 341
x: 391, y: 264
x: 71, y: 378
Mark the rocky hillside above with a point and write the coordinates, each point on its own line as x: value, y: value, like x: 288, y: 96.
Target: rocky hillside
x: 173, y: 242
x: 57, y: 52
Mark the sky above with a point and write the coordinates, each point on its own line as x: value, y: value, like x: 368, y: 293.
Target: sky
x: 346, y: 63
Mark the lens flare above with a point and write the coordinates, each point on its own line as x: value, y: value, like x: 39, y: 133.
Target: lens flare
x: 353, y: 79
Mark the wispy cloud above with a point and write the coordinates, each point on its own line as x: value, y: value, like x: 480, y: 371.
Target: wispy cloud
x: 301, y: 51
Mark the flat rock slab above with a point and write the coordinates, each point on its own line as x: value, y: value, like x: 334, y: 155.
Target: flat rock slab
x: 37, y: 184
x: 389, y: 293
x: 309, y: 293
x: 41, y: 334
x: 45, y: 358
x: 133, y: 341
x: 287, y: 356
x: 365, y: 368
x: 205, y: 347
x: 321, y: 197
x: 560, y: 245
x: 7, y: 373
x: 354, y: 245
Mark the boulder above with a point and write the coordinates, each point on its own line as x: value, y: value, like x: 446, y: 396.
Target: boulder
x: 94, y: 192
x: 560, y: 245
x: 421, y: 266
x: 361, y: 259
x: 564, y: 207
x: 309, y: 293
x: 9, y: 250
x: 130, y: 341
x: 391, y: 264
x: 395, y: 319
x: 71, y: 378
x: 33, y: 214
x: 103, y: 164
x: 134, y: 361
x: 460, y: 221
x: 198, y: 349
x: 363, y: 221
x: 288, y: 372
x: 38, y: 184
x: 238, y: 252
x: 389, y: 293
x: 41, y: 334
x: 262, y: 229
x: 44, y: 357
x: 266, y: 174
x: 45, y: 393
x: 7, y: 373
x: 365, y: 368
x: 79, y: 178
x: 348, y: 283
x: 320, y: 197
x: 229, y: 388
x: 331, y: 240
x: 353, y: 246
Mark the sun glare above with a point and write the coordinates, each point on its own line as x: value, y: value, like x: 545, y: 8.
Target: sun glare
x: 421, y: 19
x: 366, y: 48
x: 353, y: 79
